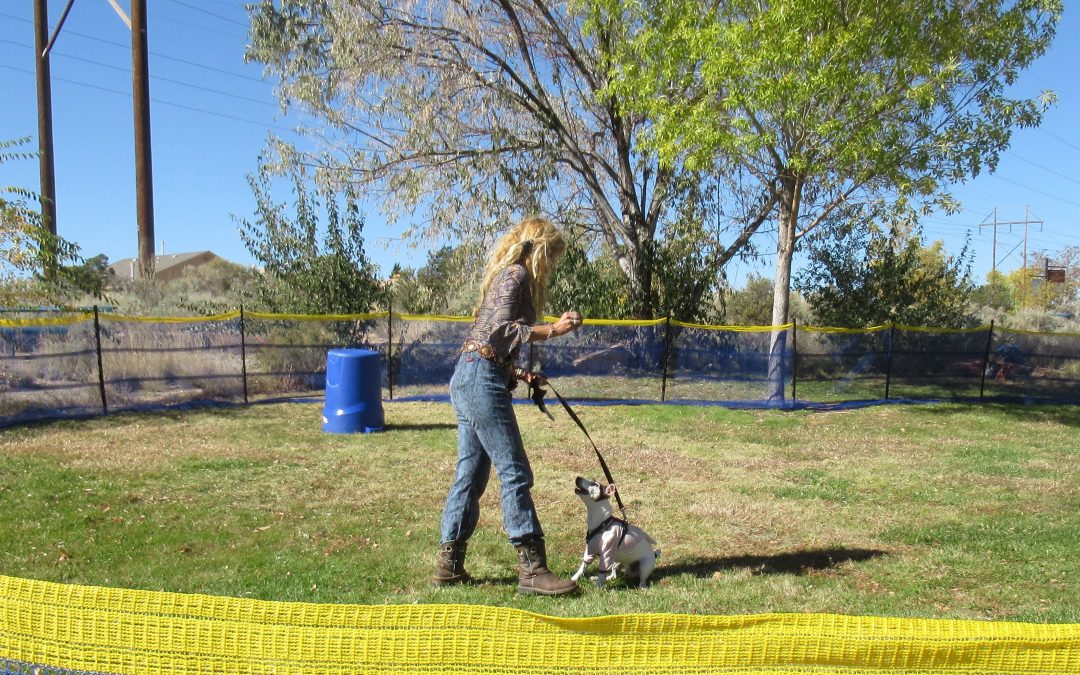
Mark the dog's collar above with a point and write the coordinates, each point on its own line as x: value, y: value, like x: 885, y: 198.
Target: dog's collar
x: 610, y: 520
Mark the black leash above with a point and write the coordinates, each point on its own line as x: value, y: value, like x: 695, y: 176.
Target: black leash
x: 538, y: 399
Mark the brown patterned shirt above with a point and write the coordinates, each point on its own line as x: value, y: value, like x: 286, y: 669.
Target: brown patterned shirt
x: 506, y: 315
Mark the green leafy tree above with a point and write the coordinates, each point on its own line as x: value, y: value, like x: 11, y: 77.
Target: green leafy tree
x: 447, y: 284
x: 593, y: 286
x: 308, y: 266
x: 994, y: 299
x: 474, y: 111
x: 870, y: 277
x: 751, y: 305
x: 212, y: 288
x: 37, y: 266
x: 1028, y: 291
x: 829, y: 103
x: 1034, y: 290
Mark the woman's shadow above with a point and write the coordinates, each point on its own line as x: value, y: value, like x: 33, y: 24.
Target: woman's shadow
x: 796, y: 563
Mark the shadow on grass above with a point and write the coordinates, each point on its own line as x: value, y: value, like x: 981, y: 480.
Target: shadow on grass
x: 1054, y: 413
x: 420, y: 427
x: 796, y: 563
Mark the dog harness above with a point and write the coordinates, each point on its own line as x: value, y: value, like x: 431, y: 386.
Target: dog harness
x: 609, y: 521
x: 606, y: 550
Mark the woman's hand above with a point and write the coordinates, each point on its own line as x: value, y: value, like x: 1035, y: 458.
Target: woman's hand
x: 532, y: 377
x: 569, y: 321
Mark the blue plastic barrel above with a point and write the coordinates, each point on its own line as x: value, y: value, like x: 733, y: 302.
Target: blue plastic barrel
x: 353, y: 391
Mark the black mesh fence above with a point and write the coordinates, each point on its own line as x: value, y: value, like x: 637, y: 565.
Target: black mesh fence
x: 425, y: 352
x: 1033, y: 366
x: 284, y: 355
x: 606, y: 360
x: 89, y: 364
x: 729, y: 363
x: 48, y: 368
x: 155, y: 362
x: 836, y: 365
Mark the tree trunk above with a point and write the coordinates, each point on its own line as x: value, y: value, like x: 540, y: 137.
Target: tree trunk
x: 643, y: 301
x: 785, y: 248
x: 638, y: 259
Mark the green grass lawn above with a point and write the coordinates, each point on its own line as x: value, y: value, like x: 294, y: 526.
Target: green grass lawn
x: 947, y: 510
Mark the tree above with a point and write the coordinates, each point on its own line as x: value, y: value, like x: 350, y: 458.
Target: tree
x: 476, y: 110
x: 871, y: 277
x: 751, y: 305
x: 591, y: 285
x: 1004, y: 296
x: 36, y: 266
x: 308, y: 267
x: 991, y: 301
x: 830, y: 104
x: 21, y: 239
x: 447, y: 284
x: 1040, y: 292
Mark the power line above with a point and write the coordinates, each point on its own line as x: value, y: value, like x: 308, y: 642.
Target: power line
x: 158, y: 55
x: 1037, y: 191
x: 196, y: 26
x: 127, y: 94
x: 1059, y: 139
x: 157, y: 78
x: 206, y: 11
x: 1044, y: 168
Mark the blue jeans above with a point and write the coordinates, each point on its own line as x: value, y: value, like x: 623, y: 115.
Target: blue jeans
x: 488, y: 435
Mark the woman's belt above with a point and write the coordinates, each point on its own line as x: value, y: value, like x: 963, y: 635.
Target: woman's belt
x: 484, y: 349
x: 487, y: 352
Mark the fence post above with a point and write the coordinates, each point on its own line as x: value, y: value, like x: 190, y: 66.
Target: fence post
x: 888, y: 363
x: 666, y: 357
x: 986, y: 359
x: 243, y: 353
x: 100, y: 369
x: 794, y: 356
x: 390, y: 349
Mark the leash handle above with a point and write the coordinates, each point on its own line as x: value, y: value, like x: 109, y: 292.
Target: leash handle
x: 603, y: 464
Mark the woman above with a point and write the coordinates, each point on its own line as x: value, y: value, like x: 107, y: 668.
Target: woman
x: 514, y: 294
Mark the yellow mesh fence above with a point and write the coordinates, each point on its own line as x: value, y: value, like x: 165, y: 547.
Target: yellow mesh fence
x: 128, y: 631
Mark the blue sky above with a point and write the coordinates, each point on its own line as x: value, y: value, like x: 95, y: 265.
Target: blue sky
x: 212, y: 113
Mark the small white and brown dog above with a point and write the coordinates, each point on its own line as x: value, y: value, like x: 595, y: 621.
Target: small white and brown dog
x: 618, y: 545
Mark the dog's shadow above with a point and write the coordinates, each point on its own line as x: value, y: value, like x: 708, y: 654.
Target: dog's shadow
x: 795, y: 563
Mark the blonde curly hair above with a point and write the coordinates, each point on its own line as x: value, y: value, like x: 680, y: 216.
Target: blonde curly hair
x: 535, y: 243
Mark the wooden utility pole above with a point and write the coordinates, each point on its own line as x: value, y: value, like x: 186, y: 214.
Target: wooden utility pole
x: 144, y: 179
x: 140, y: 94
x: 46, y: 165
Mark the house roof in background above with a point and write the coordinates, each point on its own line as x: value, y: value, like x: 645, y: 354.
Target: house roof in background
x: 161, y: 262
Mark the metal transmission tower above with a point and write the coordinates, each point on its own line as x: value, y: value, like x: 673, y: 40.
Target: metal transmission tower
x: 995, y: 223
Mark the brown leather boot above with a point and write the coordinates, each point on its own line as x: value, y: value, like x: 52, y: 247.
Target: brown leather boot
x: 534, y: 577
x: 450, y: 564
